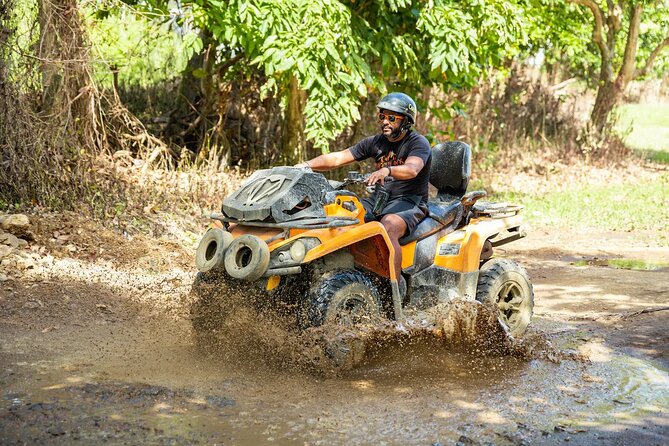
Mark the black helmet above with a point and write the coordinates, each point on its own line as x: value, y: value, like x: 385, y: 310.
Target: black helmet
x: 400, y: 103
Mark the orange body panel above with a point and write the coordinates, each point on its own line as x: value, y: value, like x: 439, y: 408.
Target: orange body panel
x: 372, y: 249
x: 408, y: 254
x: 273, y: 282
x: 337, y: 210
x: 368, y: 242
x: 470, y: 241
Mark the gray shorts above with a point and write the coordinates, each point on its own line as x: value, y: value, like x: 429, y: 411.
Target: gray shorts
x: 411, y: 209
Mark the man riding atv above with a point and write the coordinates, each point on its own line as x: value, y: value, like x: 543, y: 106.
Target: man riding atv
x: 311, y: 248
x: 401, y: 153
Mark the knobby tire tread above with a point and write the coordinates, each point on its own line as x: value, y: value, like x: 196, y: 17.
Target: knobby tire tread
x: 319, y: 299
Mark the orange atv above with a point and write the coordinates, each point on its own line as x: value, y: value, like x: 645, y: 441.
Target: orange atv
x: 301, y: 239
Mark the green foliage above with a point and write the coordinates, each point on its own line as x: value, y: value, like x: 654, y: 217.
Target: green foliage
x: 340, y: 51
x: 140, y: 45
x: 465, y: 37
x: 21, y: 38
x: 654, y: 29
x: 563, y: 31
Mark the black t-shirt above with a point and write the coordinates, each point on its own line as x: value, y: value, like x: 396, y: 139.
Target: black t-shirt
x: 391, y: 154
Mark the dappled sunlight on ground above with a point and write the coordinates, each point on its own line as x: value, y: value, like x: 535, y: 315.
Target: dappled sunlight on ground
x: 568, y: 300
x: 94, y: 342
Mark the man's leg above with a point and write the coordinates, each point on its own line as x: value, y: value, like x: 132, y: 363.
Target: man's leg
x: 396, y: 228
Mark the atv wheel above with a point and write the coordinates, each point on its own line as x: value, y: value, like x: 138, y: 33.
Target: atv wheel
x: 343, y: 297
x: 505, y: 284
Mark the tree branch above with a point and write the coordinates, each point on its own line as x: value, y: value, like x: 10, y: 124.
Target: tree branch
x: 627, y: 68
x: 645, y: 310
x: 598, y: 31
x: 614, y: 18
x: 651, y: 59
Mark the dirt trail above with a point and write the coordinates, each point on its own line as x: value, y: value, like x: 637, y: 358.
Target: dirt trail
x: 96, y: 346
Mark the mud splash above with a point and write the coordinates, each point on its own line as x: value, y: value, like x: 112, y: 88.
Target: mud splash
x: 248, y: 333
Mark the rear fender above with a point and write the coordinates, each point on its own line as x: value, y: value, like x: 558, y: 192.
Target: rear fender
x: 461, y: 250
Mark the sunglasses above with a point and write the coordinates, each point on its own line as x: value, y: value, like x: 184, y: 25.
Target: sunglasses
x: 391, y: 118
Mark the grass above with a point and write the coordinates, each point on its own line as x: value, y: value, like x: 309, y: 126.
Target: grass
x: 623, y: 207
x: 646, y: 129
x: 632, y: 264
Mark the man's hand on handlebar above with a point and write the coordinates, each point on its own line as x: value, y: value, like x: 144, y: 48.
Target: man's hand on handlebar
x: 379, y: 176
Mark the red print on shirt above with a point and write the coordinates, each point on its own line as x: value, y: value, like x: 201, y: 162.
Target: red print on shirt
x: 388, y: 159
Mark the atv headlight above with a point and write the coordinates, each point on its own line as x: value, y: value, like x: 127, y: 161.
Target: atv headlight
x: 297, y: 251
x: 294, y: 253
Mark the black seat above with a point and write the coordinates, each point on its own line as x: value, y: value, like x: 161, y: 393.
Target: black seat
x: 449, y: 173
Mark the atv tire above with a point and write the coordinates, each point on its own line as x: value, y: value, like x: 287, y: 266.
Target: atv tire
x: 343, y: 297
x: 505, y: 285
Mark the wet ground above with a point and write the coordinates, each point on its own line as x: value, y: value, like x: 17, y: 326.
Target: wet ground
x: 105, y: 354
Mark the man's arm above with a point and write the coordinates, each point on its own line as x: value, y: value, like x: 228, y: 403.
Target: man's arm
x: 410, y: 169
x: 329, y: 161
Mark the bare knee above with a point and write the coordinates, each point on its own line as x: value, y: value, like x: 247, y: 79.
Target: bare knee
x: 395, y: 226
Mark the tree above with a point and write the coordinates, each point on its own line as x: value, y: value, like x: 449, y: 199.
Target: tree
x: 321, y: 57
x: 68, y: 90
x: 628, y: 46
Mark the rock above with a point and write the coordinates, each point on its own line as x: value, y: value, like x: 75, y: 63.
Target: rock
x: 3, y: 278
x: 466, y: 441
x: 22, y: 243
x: 31, y: 304
x: 5, y: 251
x: 219, y: 401
x: 11, y: 240
x: 25, y: 263
x: 19, y: 225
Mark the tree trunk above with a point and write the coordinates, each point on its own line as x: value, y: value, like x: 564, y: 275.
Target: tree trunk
x: 294, y: 143
x: 68, y: 92
x: 5, y: 31
x: 610, y: 91
x: 608, y: 97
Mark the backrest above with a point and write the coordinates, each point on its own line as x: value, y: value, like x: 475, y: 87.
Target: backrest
x: 451, y: 168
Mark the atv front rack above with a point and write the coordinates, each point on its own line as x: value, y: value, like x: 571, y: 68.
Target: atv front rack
x: 307, y: 223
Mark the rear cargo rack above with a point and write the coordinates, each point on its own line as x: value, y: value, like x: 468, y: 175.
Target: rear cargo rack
x: 495, y: 210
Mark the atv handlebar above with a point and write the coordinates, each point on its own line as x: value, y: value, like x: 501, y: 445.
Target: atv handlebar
x: 355, y: 177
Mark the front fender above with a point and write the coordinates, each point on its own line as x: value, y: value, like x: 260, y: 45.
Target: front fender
x: 369, y: 244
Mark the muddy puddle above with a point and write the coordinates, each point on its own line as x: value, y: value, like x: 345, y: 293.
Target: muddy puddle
x: 147, y: 381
